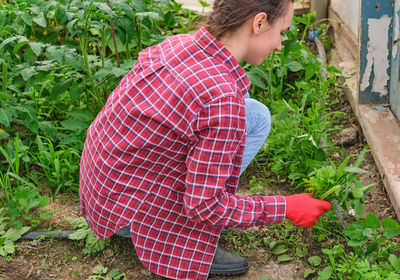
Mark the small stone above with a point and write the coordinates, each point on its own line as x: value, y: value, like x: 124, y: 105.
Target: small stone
x: 348, y: 136
x: 108, y: 253
x: 336, y: 156
x: 145, y: 272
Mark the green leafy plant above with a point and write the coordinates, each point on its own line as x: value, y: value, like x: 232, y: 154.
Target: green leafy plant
x: 60, y: 165
x: 372, y: 254
x: 325, y: 37
x: 83, y: 234
x: 20, y: 196
x: 307, y: 146
x: 58, y: 65
x: 26, y: 199
x: 9, y: 236
x: 242, y: 241
x: 256, y: 185
x: 341, y: 184
x: 373, y: 236
x: 100, y: 273
x: 266, y: 277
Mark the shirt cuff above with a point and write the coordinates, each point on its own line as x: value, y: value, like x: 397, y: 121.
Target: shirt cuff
x: 274, y: 209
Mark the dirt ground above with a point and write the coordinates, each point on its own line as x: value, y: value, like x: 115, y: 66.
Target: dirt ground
x: 63, y: 259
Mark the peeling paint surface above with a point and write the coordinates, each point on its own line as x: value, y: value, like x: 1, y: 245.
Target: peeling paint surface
x: 377, y: 56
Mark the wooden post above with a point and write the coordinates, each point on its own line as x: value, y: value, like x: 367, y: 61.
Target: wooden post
x: 320, y: 7
x: 375, y: 51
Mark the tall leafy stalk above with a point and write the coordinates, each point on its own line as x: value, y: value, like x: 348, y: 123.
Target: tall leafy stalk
x: 114, y: 39
x: 83, y: 41
x: 4, y: 69
x: 103, y: 46
x: 138, y: 24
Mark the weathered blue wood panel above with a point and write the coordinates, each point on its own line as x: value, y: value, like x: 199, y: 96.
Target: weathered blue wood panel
x: 395, y: 77
x: 375, y: 50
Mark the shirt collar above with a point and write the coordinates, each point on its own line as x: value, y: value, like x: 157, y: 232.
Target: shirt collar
x: 211, y: 45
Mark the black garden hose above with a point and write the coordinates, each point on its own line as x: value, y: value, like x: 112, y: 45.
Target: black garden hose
x: 63, y: 234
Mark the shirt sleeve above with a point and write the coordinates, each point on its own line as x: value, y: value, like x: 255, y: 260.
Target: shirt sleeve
x: 211, y: 163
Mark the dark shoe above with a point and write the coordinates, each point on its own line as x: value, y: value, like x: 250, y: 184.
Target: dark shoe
x: 226, y: 263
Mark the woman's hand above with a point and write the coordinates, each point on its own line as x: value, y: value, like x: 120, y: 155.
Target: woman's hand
x: 304, y: 210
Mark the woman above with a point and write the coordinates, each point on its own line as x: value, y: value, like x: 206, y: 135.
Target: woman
x: 162, y: 160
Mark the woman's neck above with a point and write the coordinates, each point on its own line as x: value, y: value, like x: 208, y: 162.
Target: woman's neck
x: 236, y: 42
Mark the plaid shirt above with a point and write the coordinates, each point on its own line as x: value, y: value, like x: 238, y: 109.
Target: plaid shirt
x: 164, y: 155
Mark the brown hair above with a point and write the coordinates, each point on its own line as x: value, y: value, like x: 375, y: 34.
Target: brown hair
x: 228, y: 15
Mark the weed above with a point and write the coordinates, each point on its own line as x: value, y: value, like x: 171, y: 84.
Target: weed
x: 100, y: 273
x: 25, y: 199
x: 85, y: 235
x: 325, y: 37
x: 59, y: 164
x: 341, y: 184
x: 372, y: 254
x: 9, y: 236
x: 256, y: 185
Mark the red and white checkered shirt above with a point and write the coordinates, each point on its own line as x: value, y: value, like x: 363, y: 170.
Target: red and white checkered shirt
x: 164, y: 154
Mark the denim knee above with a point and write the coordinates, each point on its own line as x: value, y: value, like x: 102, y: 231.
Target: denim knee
x: 258, y: 118
x: 124, y: 232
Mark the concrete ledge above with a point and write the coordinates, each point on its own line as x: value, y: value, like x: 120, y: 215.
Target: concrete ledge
x: 382, y: 132
x: 381, y: 129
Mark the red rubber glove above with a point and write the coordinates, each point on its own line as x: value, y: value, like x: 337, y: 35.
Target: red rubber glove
x: 303, y: 210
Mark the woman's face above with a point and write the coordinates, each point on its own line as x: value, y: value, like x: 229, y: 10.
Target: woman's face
x: 267, y: 38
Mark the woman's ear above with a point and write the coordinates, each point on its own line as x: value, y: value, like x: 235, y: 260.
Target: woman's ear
x: 260, y: 23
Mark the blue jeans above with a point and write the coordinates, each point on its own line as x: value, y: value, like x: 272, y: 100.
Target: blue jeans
x: 258, y: 121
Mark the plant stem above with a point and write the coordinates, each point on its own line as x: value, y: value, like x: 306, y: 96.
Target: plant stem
x: 4, y: 185
x: 139, y: 34
x: 127, y: 47
x: 113, y: 35
x: 103, y: 46
x: 304, y: 34
x: 83, y: 41
x: 4, y: 66
x: 16, y: 154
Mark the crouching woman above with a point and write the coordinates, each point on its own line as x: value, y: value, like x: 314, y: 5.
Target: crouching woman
x: 162, y: 160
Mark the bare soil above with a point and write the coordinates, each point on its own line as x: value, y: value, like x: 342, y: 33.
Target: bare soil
x: 63, y: 259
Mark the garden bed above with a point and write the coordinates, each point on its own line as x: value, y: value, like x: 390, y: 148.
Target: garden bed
x: 63, y: 259
x: 57, y: 73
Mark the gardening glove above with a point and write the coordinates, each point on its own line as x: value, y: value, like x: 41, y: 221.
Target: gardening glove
x: 304, y: 210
